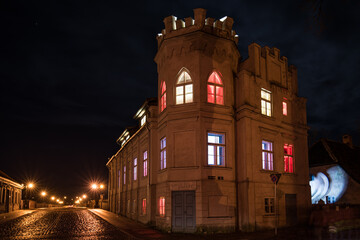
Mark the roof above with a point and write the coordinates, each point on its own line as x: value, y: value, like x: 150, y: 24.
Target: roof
x: 9, y: 179
x: 326, y: 152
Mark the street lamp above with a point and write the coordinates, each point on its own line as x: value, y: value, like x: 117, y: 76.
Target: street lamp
x: 84, y: 196
x: 43, y: 193
x: 29, y: 187
x: 53, y: 198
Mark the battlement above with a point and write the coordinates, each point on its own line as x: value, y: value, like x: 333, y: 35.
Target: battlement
x: 176, y: 27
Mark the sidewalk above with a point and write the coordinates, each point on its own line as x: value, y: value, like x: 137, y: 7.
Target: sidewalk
x: 4, y: 217
x: 135, y: 230
x: 131, y: 228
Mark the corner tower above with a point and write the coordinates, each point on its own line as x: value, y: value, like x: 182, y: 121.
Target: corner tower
x: 197, y: 60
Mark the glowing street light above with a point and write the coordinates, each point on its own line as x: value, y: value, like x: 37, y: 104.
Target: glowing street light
x: 84, y: 196
x: 30, y: 185
x: 94, y: 186
x: 43, y: 193
x: 53, y: 198
x: 101, y: 186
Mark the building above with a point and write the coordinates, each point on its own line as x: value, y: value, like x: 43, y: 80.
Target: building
x: 10, y: 193
x: 335, y: 171
x: 201, y: 157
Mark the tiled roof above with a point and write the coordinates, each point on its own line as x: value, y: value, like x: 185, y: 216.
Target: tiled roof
x: 326, y: 152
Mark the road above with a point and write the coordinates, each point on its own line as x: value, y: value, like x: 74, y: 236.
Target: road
x: 60, y: 223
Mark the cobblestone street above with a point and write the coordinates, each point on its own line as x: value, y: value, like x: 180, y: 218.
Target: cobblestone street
x: 60, y: 223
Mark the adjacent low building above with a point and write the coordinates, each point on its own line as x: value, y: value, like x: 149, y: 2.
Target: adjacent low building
x: 201, y: 157
x: 335, y: 171
x: 10, y: 193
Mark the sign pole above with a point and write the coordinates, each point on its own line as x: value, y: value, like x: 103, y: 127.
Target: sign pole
x: 275, y: 179
x: 275, y: 213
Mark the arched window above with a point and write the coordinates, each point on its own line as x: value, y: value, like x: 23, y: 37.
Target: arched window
x: 163, y: 97
x: 184, y: 88
x: 215, y: 89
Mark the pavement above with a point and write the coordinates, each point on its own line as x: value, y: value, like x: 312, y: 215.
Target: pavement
x: 130, y: 229
x: 4, y: 217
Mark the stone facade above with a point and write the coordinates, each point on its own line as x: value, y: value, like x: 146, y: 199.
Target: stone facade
x: 10, y: 193
x: 213, y: 136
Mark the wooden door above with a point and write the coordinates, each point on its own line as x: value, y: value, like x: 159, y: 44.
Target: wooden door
x: 183, y: 211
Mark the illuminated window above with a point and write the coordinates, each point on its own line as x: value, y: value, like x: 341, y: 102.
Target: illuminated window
x: 135, y: 169
x: 163, y: 97
x: 284, y: 108
x: 288, y: 158
x: 269, y: 206
x: 163, y: 153
x: 143, y: 120
x: 267, y: 155
x: 184, y: 88
x: 143, y: 209
x: 216, y: 149
x: 162, y: 206
x: 265, y: 102
x: 145, y: 165
x: 215, y: 89
x: 124, y: 175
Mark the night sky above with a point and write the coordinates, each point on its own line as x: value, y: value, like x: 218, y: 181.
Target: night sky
x: 74, y: 73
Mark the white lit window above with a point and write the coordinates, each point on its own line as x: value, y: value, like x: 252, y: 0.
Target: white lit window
x: 216, y: 149
x: 135, y: 169
x: 267, y: 155
x: 124, y: 175
x: 269, y: 206
x: 184, y: 88
x: 145, y: 165
x: 163, y: 153
x: 284, y: 107
x: 143, y: 120
x: 162, y: 206
x: 265, y: 102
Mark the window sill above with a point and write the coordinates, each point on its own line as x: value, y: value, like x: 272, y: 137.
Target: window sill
x: 267, y: 171
x: 162, y: 170
x: 217, y: 166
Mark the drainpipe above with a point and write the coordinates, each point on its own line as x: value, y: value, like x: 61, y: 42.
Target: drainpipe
x: 235, y: 162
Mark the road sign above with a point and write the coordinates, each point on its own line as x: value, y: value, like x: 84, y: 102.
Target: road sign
x: 275, y: 177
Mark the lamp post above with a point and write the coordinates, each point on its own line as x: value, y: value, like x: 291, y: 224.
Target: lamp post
x: 28, y: 189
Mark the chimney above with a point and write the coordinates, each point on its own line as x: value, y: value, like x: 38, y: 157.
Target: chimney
x: 347, y: 139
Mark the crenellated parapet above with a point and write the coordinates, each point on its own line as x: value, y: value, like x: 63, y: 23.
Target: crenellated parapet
x: 175, y: 27
x: 267, y: 64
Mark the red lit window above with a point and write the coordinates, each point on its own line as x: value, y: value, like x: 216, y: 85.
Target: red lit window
x: 288, y: 158
x: 163, y: 153
x: 215, y: 89
x: 284, y: 105
x: 145, y: 163
x: 163, y: 97
x: 267, y: 155
x: 143, y: 210
x: 162, y: 206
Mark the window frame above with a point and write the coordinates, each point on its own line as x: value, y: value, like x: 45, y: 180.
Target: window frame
x: 145, y: 163
x: 162, y: 96
x: 216, y: 145
x: 269, y: 206
x: 285, y: 110
x: 135, y: 167
x: 289, y: 165
x: 163, y: 153
x: 183, y: 86
x: 215, y: 87
x: 162, y: 208
x: 267, y: 103
x: 265, y: 162
x: 124, y: 175
x: 143, y: 206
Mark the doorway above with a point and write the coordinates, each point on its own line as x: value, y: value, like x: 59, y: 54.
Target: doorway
x: 183, y: 211
x: 291, y: 209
